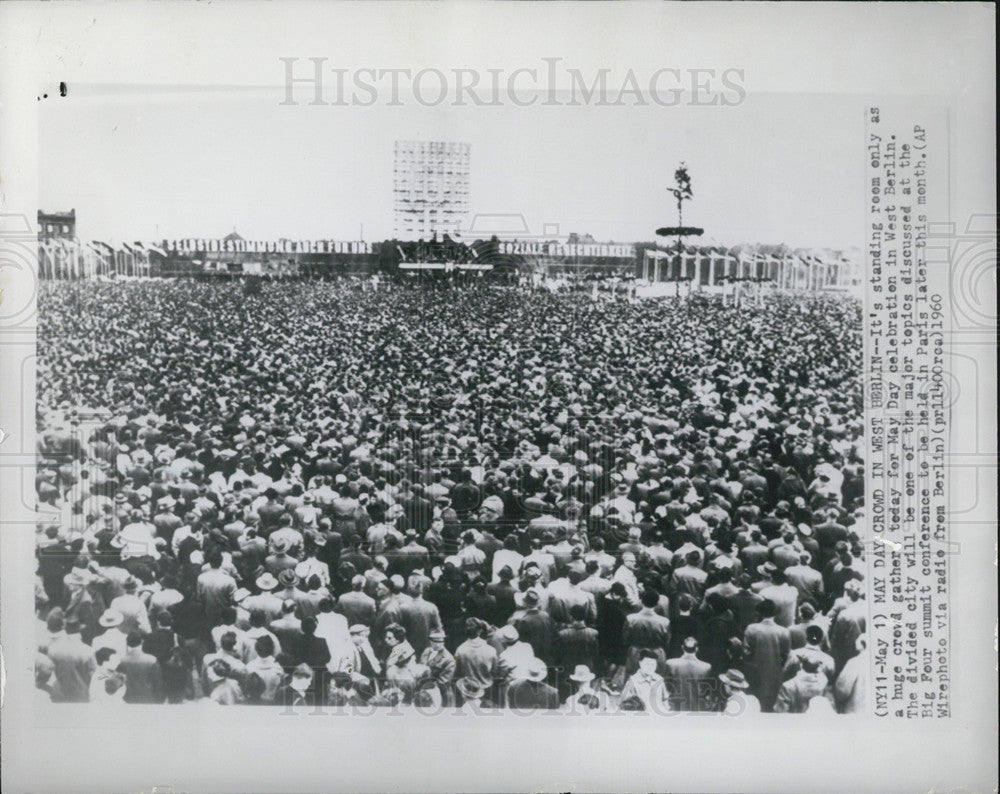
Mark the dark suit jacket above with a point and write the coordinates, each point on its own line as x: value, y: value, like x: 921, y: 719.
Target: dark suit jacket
x: 531, y: 695
x: 575, y: 645
x: 419, y: 617
x: 645, y: 630
x: 685, y: 677
x: 358, y: 607
x: 536, y: 628
x: 768, y: 646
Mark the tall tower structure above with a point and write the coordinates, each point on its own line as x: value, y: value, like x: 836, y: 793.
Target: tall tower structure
x: 430, y: 188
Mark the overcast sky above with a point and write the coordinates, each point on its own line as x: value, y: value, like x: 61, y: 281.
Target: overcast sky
x: 149, y: 165
x: 140, y: 162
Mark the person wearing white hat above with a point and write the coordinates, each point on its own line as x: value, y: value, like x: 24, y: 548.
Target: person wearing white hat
x: 528, y: 691
x: 265, y: 601
x: 587, y: 699
x: 132, y: 608
x: 513, y: 653
x: 113, y: 637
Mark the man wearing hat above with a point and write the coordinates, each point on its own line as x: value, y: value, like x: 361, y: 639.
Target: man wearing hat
x: 534, y: 625
x: 508, y: 556
x: 312, y: 564
x: 441, y: 664
x: 133, y: 610
x: 847, y: 623
x: 113, y: 638
x: 796, y: 693
x: 280, y: 559
x: 265, y: 601
x: 412, y: 555
x: 785, y: 552
x: 806, y: 580
x: 783, y: 595
x: 734, y: 691
x: 754, y: 552
x: 576, y: 644
x: 215, y: 587
x: 512, y: 652
x: 362, y: 663
x: 586, y: 699
x: 475, y: 658
x: 528, y: 691
x: 544, y: 562
x: 646, y: 630
x: 288, y: 582
x: 806, y: 539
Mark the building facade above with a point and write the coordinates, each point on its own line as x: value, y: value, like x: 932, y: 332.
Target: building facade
x: 57, y: 225
x: 430, y: 188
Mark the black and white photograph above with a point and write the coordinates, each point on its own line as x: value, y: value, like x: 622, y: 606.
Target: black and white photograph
x: 396, y: 385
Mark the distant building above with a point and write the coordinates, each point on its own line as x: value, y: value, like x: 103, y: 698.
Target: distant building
x: 430, y: 188
x: 57, y: 225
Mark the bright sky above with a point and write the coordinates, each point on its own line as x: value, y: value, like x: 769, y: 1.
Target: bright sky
x: 784, y: 166
x: 150, y: 165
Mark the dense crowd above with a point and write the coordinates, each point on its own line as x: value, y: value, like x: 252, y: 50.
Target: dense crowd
x: 493, y: 497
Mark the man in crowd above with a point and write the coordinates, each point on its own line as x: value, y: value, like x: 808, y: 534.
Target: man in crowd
x: 472, y: 455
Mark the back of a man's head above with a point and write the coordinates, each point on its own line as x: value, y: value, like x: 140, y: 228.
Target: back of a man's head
x: 766, y: 609
x: 650, y: 598
x: 264, y: 646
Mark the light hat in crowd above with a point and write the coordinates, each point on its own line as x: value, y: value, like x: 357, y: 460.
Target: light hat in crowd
x: 529, y: 598
x: 581, y: 674
x: 734, y: 679
x: 535, y: 670
x: 111, y: 618
x: 266, y: 582
x: 508, y: 634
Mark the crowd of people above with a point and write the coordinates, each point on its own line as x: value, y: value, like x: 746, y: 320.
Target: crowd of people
x: 490, y: 498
